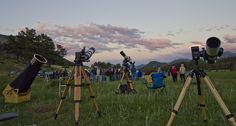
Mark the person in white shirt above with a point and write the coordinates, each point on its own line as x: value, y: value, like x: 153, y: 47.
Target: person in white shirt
x: 182, y: 71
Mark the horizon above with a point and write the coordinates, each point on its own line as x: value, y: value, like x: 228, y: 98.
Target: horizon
x: 145, y: 30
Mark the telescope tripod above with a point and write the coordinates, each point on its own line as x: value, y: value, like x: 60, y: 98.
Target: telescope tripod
x: 79, y: 74
x: 127, y: 75
x: 200, y: 74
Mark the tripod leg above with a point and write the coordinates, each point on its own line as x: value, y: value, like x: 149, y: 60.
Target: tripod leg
x: 201, y: 98
x: 92, y: 95
x: 220, y: 101
x: 77, y: 92
x: 129, y: 82
x: 179, y: 101
x: 202, y: 105
x: 121, y: 80
x: 63, y: 96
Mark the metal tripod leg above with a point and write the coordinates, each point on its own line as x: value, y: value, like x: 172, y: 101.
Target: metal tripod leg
x: 220, y: 101
x: 201, y: 98
x: 92, y: 95
x: 77, y: 92
x: 179, y: 101
x: 65, y: 91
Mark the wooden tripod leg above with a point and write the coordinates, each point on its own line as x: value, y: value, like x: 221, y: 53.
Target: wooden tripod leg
x: 91, y: 93
x: 201, y: 99
x: 179, y: 101
x: 77, y: 92
x: 202, y: 105
x: 121, y: 80
x: 220, y: 101
x: 129, y: 82
x: 65, y: 91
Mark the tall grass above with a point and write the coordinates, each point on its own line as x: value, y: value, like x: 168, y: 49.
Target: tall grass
x: 141, y: 109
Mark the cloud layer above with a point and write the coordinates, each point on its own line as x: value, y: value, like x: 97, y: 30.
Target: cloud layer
x: 109, y: 40
x: 102, y: 37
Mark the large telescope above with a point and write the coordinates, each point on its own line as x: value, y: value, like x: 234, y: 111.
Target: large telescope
x: 213, y: 50
x: 84, y: 56
x: 210, y: 53
x: 19, y: 89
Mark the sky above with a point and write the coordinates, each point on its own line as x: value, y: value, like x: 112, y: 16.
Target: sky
x: 146, y: 30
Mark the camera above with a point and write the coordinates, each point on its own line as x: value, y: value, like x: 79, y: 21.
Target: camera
x: 84, y: 56
x: 211, y: 53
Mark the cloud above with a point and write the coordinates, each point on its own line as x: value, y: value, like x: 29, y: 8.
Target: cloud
x: 230, y: 47
x: 230, y: 38
x: 102, y: 37
x: 173, y: 33
x: 215, y: 28
x: 197, y: 43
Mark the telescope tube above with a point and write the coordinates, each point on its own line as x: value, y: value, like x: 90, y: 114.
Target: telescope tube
x: 212, y: 46
x: 122, y: 53
x: 88, y: 54
x: 23, y: 82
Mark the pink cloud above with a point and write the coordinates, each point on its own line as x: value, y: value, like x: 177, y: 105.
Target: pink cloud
x: 197, y: 43
x: 100, y: 36
x: 230, y: 38
x: 230, y: 47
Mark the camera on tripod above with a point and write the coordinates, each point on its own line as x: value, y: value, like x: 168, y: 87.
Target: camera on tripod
x: 211, y: 53
x: 84, y: 56
x: 127, y: 60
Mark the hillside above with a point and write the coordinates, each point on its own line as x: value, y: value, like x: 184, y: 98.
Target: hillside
x: 227, y: 62
x: 228, y: 54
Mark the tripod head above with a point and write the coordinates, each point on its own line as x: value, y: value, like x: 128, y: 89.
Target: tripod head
x: 83, y: 56
x: 127, y: 60
x: 211, y: 53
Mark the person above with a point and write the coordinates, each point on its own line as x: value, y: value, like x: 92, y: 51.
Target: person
x: 174, y: 73
x: 159, y: 70
x: 98, y: 74
x: 133, y: 71
x: 182, y: 71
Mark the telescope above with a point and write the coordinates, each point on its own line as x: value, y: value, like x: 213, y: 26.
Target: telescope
x: 211, y: 53
x: 84, y: 56
x: 126, y: 60
x: 19, y: 90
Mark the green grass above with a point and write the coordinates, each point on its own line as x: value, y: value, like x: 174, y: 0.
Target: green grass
x: 141, y: 109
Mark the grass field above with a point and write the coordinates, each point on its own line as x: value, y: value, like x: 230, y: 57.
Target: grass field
x: 141, y: 109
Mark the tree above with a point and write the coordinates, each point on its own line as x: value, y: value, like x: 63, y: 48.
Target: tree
x: 27, y: 43
x: 13, y: 46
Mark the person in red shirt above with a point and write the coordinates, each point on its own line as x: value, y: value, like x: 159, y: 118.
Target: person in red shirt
x: 174, y: 73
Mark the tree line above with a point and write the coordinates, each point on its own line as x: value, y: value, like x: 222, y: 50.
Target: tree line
x: 221, y: 64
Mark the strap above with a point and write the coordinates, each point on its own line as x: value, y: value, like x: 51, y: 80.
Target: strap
x: 175, y: 111
x: 76, y: 85
x: 229, y: 116
x: 77, y: 101
x: 92, y: 96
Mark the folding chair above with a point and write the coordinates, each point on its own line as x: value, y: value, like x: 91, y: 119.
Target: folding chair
x: 158, y: 82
